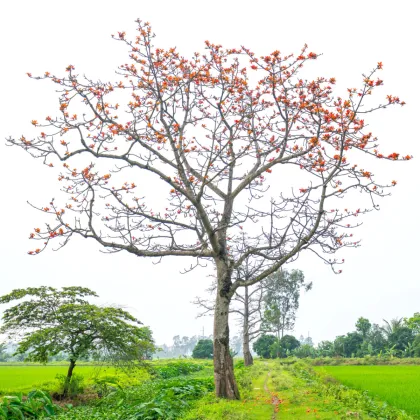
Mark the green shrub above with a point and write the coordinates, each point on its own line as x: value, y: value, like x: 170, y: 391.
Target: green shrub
x: 37, y: 404
x: 173, y: 369
x: 76, y: 385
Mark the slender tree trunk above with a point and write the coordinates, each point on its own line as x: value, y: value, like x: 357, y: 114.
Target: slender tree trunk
x: 248, y: 359
x: 224, y: 378
x: 68, y: 378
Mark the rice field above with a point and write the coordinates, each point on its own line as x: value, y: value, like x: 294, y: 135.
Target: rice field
x: 399, y: 386
x: 23, y: 378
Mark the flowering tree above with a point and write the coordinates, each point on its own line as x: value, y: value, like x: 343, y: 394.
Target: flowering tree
x: 211, y: 133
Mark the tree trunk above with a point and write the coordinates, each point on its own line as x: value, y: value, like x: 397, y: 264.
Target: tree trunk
x: 248, y: 359
x: 224, y: 378
x: 68, y: 378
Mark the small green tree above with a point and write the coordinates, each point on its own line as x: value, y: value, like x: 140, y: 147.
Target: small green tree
x: 50, y: 321
x: 263, y: 344
x: 203, y: 349
x: 288, y: 344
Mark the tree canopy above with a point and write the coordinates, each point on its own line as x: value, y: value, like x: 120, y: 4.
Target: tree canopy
x: 203, y: 349
x: 49, y: 321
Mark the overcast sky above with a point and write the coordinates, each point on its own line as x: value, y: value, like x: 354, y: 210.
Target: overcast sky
x: 379, y: 280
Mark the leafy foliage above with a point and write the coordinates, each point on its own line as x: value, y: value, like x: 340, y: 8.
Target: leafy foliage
x: 281, y: 300
x: 37, y: 404
x: 52, y: 321
x: 174, y: 369
x: 203, y: 350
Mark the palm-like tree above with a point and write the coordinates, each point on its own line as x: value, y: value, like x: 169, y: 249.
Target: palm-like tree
x: 392, y: 326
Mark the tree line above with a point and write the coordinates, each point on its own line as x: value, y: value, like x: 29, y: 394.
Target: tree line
x: 399, y: 337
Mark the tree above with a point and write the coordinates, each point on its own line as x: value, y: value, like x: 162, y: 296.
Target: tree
x: 392, y: 326
x: 326, y: 348
x: 203, y: 349
x: 4, y: 355
x: 288, y: 343
x: 246, y: 304
x: 416, y: 346
x: 281, y: 300
x: 262, y: 345
x: 401, y: 338
x: 363, y: 327
x: 305, y: 350
x: 208, y: 137
x: 376, y: 339
x: 50, y: 321
x: 414, y: 323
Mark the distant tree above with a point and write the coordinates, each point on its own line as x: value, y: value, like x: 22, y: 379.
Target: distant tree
x: 203, y: 349
x: 305, y: 350
x: 50, y: 321
x: 326, y: 348
x: 262, y: 345
x: 376, y: 339
x: 4, y: 355
x: 414, y: 323
x: 363, y: 327
x: 281, y: 300
x: 400, y: 338
x: 288, y: 343
x: 392, y: 326
x: 416, y: 346
x: 353, y: 344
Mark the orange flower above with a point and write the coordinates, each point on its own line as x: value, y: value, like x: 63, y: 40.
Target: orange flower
x: 34, y: 122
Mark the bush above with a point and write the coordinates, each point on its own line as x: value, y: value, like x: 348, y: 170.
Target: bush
x: 203, y: 349
x: 37, y: 404
x: 174, y: 369
x: 76, y: 385
x: 263, y: 344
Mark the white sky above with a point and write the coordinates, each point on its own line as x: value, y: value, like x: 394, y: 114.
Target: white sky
x: 379, y: 280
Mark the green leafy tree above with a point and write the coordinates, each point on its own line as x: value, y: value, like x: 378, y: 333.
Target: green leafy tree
x: 400, y: 339
x: 281, y: 300
x: 392, y: 326
x: 416, y: 346
x: 414, y: 323
x: 288, y: 343
x: 203, y: 349
x: 376, y: 339
x: 49, y: 321
x: 262, y: 345
x: 326, y: 348
x: 305, y: 350
x: 363, y: 327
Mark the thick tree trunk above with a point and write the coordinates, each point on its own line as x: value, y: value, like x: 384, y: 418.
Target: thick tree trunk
x: 224, y: 378
x: 68, y: 378
x: 248, y: 359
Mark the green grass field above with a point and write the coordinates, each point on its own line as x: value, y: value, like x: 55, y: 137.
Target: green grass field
x: 21, y: 378
x: 399, y: 386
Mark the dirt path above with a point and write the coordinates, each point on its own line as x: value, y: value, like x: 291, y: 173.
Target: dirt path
x: 275, y: 401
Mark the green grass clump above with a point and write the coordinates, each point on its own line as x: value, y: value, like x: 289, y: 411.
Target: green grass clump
x: 399, y: 386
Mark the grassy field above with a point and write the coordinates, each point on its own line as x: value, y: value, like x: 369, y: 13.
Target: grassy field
x: 397, y: 385
x: 21, y: 378
x: 183, y: 389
